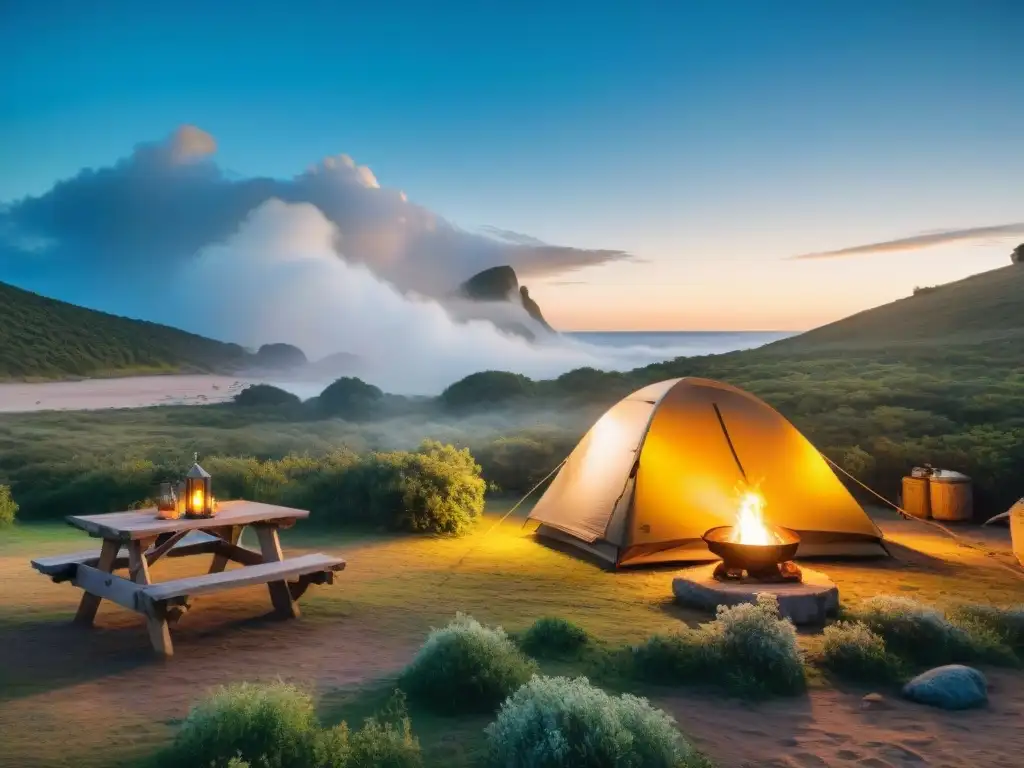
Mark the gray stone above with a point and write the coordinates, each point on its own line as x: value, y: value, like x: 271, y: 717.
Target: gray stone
x: 950, y: 687
x: 808, y: 602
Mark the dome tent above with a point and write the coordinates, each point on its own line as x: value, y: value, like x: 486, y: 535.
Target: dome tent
x: 663, y: 465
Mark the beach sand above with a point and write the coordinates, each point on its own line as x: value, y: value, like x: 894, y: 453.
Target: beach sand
x: 127, y: 392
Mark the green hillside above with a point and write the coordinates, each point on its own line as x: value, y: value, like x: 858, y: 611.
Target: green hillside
x: 982, y: 309
x: 45, y: 338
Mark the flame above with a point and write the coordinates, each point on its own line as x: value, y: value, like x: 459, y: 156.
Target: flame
x: 750, y: 527
x: 197, y: 500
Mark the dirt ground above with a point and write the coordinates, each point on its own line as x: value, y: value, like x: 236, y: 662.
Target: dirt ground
x: 98, y: 697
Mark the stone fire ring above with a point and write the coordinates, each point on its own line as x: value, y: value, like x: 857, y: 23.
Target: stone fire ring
x: 809, y: 601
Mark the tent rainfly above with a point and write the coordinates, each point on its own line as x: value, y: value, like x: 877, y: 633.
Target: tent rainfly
x: 667, y: 463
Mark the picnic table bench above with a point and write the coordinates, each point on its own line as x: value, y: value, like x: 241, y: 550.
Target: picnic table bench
x: 148, y: 538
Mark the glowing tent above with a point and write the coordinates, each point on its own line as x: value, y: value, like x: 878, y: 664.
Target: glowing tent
x: 667, y: 463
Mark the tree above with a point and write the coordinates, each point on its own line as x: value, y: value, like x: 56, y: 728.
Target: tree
x: 351, y: 399
x: 486, y: 387
x: 1017, y: 257
x: 265, y: 394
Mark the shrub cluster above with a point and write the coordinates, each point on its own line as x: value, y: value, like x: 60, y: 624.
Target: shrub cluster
x: 748, y: 648
x: 275, y: 726
x: 924, y: 636
x: 563, y: 723
x: 466, y: 667
x: 8, y: 507
x: 854, y: 651
x: 553, y: 637
x: 1006, y: 623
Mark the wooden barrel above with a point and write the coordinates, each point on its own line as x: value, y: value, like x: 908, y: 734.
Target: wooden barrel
x: 916, y: 499
x: 952, y: 497
x: 1017, y: 530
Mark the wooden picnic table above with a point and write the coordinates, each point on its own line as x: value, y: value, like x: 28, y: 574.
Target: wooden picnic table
x: 148, y: 538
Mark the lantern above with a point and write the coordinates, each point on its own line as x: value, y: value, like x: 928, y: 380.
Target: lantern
x: 198, y: 492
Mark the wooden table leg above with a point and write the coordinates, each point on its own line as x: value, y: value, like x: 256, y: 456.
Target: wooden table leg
x: 220, y: 561
x: 280, y: 594
x: 138, y: 568
x: 90, y: 603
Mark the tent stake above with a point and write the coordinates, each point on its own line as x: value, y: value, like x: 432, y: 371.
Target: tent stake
x: 728, y: 439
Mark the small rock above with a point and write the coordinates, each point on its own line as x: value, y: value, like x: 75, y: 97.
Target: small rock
x: 874, y: 701
x: 950, y: 687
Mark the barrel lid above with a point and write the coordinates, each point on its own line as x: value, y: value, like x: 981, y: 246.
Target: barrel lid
x: 949, y: 476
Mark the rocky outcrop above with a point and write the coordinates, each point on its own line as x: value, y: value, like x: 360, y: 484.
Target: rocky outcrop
x: 500, y: 284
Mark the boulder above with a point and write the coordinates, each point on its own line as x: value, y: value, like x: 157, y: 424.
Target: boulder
x: 953, y: 686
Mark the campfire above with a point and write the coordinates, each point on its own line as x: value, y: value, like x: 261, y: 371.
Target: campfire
x: 753, y: 548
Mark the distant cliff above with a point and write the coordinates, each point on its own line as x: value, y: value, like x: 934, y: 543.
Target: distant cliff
x: 502, y: 284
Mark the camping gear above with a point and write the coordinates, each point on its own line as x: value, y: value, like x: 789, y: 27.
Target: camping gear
x: 167, y: 503
x: 670, y: 461
x: 950, y: 496
x: 916, y: 495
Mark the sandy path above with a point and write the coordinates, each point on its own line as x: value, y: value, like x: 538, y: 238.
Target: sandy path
x: 831, y: 728
x: 128, y: 392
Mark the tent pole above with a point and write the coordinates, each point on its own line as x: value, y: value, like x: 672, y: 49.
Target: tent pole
x: 728, y: 439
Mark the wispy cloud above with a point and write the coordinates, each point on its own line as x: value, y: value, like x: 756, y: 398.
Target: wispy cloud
x: 924, y: 240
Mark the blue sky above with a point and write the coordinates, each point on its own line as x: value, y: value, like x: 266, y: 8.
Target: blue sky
x: 710, y: 139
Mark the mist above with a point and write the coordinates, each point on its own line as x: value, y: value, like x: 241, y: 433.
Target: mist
x: 283, y: 278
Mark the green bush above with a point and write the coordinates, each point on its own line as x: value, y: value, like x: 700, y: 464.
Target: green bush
x: 351, y: 399
x: 8, y: 507
x: 274, y: 726
x: 256, y: 395
x: 923, y: 636
x: 270, y: 726
x: 563, y: 723
x: 852, y: 650
x: 551, y: 636
x: 384, y: 741
x: 437, y: 489
x: 466, y: 667
x: 748, y: 648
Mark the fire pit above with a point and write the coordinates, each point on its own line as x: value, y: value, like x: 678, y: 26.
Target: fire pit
x: 763, y: 562
x: 752, y: 548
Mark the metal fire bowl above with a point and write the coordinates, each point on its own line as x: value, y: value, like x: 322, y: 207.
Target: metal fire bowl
x: 751, y: 557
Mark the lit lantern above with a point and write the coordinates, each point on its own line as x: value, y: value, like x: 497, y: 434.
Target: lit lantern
x: 198, y: 492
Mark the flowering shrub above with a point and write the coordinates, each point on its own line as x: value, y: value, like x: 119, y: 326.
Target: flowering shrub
x: 853, y: 650
x: 555, y: 722
x: 552, y: 636
x: 466, y: 667
x: 748, y: 648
